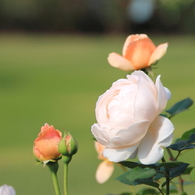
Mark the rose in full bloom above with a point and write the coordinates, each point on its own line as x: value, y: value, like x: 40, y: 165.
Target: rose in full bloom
x: 138, y: 52
x: 105, y: 168
x: 46, y: 144
x: 128, y: 121
x: 7, y: 190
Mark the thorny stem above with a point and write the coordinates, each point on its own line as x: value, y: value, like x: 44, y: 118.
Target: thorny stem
x: 167, y: 183
x: 172, y: 158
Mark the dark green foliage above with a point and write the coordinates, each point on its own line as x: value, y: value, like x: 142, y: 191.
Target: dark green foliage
x: 180, y: 107
x: 150, y: 174
x: 184, y: 144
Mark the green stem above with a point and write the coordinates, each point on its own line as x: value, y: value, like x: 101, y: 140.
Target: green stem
x: 163, y: 159
x: 177, y: 156
x: 170, y: 154
x: 53, y: 167
x: 160, y: 191
x: 66, y: 160
x: 167, y: 178
x: 167, y: 183
x: 65, y: 178
x: 181, y: 188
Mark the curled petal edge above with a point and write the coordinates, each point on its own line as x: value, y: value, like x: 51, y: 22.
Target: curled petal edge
x: 158, y: 53
x: 120, y: 62
x: 160, y: 135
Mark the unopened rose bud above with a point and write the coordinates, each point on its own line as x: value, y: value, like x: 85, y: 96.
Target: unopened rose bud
x: 45, y: 147
x: 68, y: 145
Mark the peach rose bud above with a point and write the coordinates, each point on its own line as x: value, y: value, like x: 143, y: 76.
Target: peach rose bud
x: 45, y: 147
x: 68, y: 145
x: 139, y: 52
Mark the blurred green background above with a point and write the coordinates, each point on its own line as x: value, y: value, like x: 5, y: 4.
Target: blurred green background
x: 57, y: 80
x: 53, y: 68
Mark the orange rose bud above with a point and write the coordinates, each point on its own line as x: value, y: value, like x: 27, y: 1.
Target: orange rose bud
x: 138, y: 52
x: 46, y: 144
x: 68, y: 145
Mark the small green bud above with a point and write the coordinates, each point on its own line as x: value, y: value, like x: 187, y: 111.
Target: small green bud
x: 68, y: 145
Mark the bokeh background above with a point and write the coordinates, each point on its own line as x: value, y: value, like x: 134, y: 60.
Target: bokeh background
x: 53, y: 68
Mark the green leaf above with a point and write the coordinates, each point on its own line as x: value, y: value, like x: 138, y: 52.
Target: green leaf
x: 192, y: 175
x: 191, y: 139
x: 165, y: 115
x: 132, y: 165
x: 178, y: 146
x: 188, y: 170
x: 184, y: 144
x: 122, y: 178
x: 173, y: 172
x: 139, y: 173
x: 171, y: 164
x: 184, y: 193
x: 187, y: 134
x: 159, y: 175
x: 148, y: 182
x: 180, y: 107
x: 138, y: 176
x: 181, y: 145
x: 180, y: 169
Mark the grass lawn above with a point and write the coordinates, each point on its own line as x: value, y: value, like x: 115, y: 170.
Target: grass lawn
x: 56, y: 79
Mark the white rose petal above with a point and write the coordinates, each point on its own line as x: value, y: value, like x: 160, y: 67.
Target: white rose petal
x: 7, y: 190
x: 159, y: 135
x: 128, y: 121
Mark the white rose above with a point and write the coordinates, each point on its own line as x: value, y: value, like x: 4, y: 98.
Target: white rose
x: 7, y: 190
x: 128, y: 121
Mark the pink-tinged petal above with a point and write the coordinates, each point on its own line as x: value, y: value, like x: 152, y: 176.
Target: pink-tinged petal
x: 104, y: 100
x: 141, y: 75
x: 99, y: 135
x: 118, y: 155
x: 131, y: 136
x: 130, y: 39
x: 162, y: 95
x: 99, y: 148
x: 104, y: 171
x: 146, y: 90
x: 120, y: 62
x: 159, y: 135
x: 158, y: 53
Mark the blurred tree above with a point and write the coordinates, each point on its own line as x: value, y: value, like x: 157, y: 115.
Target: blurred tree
x: 97, y: 16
